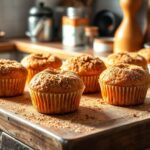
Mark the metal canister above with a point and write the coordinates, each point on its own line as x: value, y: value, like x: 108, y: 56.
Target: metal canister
x: 40, y: 23
x: 73, y: 33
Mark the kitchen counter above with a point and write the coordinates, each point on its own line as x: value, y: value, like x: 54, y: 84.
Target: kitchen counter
x: 7, y: 46
x: 55, y: 48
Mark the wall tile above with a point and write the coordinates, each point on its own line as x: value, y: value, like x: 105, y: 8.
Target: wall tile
x: 13, y: 16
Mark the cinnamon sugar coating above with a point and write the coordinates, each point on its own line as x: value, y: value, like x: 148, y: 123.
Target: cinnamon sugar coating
x: 11, y: 69
x: 56, y: 81
x: 145, y: 52
x: 125, y: 75
x: 84, y: 65
x: 41, y: 61
x: 139, y: 60
x: 128, y: 58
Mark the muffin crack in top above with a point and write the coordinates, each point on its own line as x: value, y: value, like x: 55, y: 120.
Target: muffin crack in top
x: 56, y: 81
x: 129, y: 58
x: 11, y: 68
x: 125, y: 75
x: 41, y: 61
x: 84, y: 65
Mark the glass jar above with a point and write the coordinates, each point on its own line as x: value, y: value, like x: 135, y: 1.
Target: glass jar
x: 73, y: 26
x: 91, y: 32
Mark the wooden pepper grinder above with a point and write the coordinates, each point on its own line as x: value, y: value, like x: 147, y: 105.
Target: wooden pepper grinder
x: 129, y: 36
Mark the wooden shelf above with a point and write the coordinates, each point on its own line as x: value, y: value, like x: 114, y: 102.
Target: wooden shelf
x: 56, y: 48
x: 7, y: 46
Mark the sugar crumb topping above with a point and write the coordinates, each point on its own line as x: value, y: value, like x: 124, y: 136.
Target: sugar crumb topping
x: 125, y: 74
x: 53, y: 80
x: 41, y: 60
x: 7, y: 66
x: 129, y: 58
x: 84, y: 64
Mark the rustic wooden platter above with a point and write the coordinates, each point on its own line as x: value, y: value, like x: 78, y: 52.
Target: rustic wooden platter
x: 96, y: 125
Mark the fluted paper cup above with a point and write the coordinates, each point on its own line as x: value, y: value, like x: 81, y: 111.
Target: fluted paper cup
x: 122, y: 95
x: 12, y: 87
x: 91, y: 83
x: 31, y: 73
x: 56, y: 103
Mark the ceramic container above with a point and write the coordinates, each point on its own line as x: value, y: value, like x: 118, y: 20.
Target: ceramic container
x: 103, y: 46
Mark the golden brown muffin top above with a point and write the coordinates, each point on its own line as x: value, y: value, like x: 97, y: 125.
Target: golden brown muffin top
x: 125, y: 75
x: 139, y: 60
x: 84, y: 65
x: 41, y: 61
x: 11, y: 69
x: 145, y: 52
x: 128, y: 58
x: 56, y: 81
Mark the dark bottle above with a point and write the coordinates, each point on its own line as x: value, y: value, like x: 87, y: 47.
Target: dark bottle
x: 107, y: 22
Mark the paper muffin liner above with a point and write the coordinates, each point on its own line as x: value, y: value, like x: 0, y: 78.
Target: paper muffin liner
x: 12, y: 87
x: 123, y: 96
x: 31, y: 73
x: 91, y: 83
x: 55, y: 103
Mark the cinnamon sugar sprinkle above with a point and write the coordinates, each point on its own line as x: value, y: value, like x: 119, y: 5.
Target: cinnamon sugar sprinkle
x: 91, y: 116
x: 125, y: 75
x: 41, y: 60
x: 7, y: 66
x: 129, y: 58
x: 56, y: 81
x: 84, y: 63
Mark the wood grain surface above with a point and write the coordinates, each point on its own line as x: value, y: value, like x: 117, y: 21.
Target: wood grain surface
x: 96, y: 125
x: 7, y: 46
x: 53, y: 48
x: 95, y: 121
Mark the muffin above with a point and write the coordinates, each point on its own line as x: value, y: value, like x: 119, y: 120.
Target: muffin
x: 88, y: 68
x: 145, y: 52
x: 56, y: 92
x: 124, y: 84
x: 38, y: 62
x: 12, y: 78
x: 128, y: 58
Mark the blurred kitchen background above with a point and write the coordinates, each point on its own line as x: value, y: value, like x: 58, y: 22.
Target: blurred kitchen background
x: 14, y: 13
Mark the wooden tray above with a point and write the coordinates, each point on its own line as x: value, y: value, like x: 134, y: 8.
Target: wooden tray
x: 95, y: 125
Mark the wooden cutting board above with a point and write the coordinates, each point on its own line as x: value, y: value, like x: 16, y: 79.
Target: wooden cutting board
x: 96, y: 125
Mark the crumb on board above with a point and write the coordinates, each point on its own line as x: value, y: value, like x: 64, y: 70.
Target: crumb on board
x: 90, y: 116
